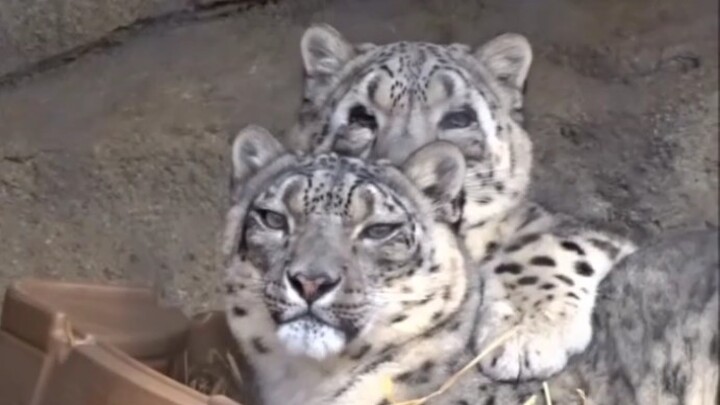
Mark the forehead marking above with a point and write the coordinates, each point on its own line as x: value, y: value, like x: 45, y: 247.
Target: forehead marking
x: 410, y: 60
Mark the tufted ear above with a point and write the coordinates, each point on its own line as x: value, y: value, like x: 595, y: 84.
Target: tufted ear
x: 253, y: 148
x: 438, y: 169
x: 324, y: 51
x: 508, y: 56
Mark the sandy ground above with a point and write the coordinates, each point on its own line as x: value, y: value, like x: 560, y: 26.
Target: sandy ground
x: 114, y: 166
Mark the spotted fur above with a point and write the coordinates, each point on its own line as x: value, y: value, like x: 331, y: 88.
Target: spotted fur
x: 383, y: 102
x: 406, y: 307
x: 389, y: 266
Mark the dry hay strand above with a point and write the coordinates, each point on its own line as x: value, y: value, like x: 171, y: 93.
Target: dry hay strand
x: 388, y: 385
x: 211, y: 377
x: 582, y: 396
x: 546, y: 391
x: 531, y: 401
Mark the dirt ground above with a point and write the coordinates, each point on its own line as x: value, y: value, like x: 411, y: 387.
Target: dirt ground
x: 114, y: 166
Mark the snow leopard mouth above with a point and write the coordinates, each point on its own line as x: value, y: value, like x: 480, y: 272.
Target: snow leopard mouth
x: 309, y: 317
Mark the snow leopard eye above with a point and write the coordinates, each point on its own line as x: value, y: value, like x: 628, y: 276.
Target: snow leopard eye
x: 273, y: 220
x: 361, y: 117
x: 458, y: 119
x: 379, y: 231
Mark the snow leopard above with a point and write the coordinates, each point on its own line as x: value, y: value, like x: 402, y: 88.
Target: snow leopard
x: 346, y: 284
x: 384, y: 102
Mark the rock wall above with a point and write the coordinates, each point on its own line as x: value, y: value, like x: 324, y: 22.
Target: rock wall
x: 32, y: 30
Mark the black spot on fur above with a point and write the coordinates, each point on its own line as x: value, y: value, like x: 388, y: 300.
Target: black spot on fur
x: 490, y: 248
x: 260, y: 346
x: 427, y: 366
x: 239, y: 312
x: 447, y: 293
x: 674, y: 380
x: 403, y: 377
x: 573, y: 295
x: 462, y: 402
x: 490, y: 401
x: 512, y: 268
x: 522, y: 242
x: 478, y: 224
x: 437, y: 315
x: 714, y: 347
x: 527, y: 280
x: 384, y: 358
x: 542, y: 261
x: 611, y: 250
x: 584, y: 269
x: 398, y: 318
x: 427, y: 299
x: 565, y: 279
x: 387, y: 70
x: 360, y: 353
x: 419, y: 376
x: 434, y: 269
x: 572, y: 246
x: 547, y: 286
x: 229, y: 289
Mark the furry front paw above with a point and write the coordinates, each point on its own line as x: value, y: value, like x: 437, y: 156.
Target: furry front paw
x: 539, y: 347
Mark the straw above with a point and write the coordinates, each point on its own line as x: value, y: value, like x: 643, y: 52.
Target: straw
x: 582, y: 395
x: 455, y: 377
x: 546, y: 391
x: 531, y: 401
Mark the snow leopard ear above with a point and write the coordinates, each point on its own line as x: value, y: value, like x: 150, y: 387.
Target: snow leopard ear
x: 508, y: 56
x: 438, y: 169
x: 253, y: 148
x: 324, y: 51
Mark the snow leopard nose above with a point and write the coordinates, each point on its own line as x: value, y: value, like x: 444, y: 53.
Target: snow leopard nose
x: 312, y: 287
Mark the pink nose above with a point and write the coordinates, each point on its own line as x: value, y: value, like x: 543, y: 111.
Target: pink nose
x: 310, y: 288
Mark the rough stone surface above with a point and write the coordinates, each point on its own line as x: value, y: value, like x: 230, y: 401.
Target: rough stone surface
x: 31, y: 30
x: 115, y: 166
